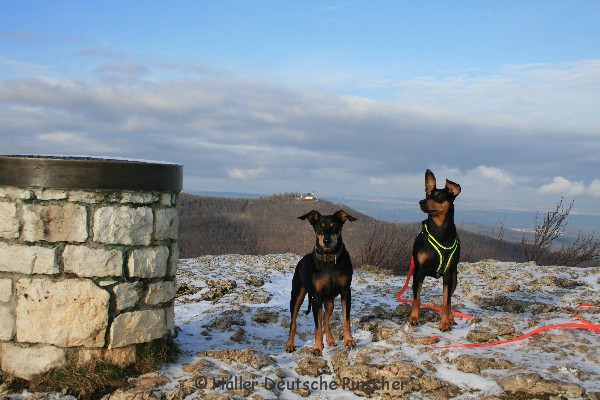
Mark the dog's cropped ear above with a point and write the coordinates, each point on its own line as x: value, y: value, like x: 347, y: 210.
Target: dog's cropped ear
x: 453, y: 188
x: 344, y: 216
x: 429, y: 182
x: 312, y: 217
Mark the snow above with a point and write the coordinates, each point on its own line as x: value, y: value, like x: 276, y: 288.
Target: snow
x: 546, y: 355
x: 88, y: 158
x: 262, y: 283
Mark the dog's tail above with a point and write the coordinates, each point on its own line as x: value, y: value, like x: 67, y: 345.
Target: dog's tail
x: 310, y: 300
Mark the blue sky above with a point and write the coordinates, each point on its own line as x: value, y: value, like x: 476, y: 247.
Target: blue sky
x: 347, y: 97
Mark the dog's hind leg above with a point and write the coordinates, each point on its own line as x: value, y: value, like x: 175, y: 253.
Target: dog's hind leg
x: 328, y: 311
x: 296, y: 300
x: 346, y: 305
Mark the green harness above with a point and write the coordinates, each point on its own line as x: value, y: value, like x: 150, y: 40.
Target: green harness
x: 445, y: 253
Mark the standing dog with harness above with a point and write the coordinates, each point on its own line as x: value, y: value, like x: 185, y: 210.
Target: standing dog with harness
x: 436, y: 249
x: 324, y: 274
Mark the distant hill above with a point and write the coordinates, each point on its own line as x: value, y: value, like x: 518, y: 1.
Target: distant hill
x: 220, y: 225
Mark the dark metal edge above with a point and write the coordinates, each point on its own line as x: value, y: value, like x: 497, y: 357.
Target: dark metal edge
x: 89, y: 173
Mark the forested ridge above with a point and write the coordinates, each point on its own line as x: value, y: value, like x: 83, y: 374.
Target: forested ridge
x: 219, y: 225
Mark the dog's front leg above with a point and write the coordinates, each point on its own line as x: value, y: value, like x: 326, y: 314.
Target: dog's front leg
x: 318, y: 316
x: 416, y: 304
x: 328, y: 310
x: 346, y: 305
x: 447, y: 319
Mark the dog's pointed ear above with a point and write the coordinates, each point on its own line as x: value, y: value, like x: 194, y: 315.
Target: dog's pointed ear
x: 429, y: 182
x: 453, y: 188
x: 344, y: 216
x: 312, y: 216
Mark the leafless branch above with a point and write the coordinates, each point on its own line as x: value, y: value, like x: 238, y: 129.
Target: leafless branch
x: 584, y: 249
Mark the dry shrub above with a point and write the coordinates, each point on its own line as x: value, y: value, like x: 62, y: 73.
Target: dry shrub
x: 388, y: 247
x: 585, y: 249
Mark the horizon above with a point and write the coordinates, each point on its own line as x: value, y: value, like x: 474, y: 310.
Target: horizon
x: 350, y: 97
x: 406, y: 210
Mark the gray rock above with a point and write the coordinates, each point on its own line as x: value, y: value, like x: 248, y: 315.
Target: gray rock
x: 312, y: 366
x: 532, y: 383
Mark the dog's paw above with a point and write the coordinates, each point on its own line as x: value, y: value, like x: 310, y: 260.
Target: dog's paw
x: 331, y: 342
x: 350, y: 343
x: 445, y: 326
x: 290, y: 348
x: 413, y: 320
x: 316, y: 351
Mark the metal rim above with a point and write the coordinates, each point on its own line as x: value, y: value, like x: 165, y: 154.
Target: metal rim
x: 67, y: 172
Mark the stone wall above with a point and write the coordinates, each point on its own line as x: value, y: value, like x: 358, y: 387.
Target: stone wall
x: 84, y: 273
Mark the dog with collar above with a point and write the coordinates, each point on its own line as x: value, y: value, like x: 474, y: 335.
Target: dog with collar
x: 323, y: 274
x: 436, y: 250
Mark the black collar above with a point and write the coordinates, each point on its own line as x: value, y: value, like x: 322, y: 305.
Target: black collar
x: 328, y: 257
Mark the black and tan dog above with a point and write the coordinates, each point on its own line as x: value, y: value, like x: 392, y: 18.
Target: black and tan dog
x: 436, y: 249
x: 323, y: 274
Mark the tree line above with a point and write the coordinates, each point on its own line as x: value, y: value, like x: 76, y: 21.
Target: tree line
x: 269, y: 225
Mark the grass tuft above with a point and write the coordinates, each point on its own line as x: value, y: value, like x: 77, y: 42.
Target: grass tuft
x: 93, y: 380
x: 87, y: 381
x: 152, y: 355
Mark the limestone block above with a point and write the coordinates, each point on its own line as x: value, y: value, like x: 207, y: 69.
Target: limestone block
x: 173, y: 260
x: 170, y: 312
x: 139, y: 197
x: 137, y: 327
x: 55, y: 223
x: 24, y: 362
x: 85, y: 196
x: 13, y: 192
x: 85, y: 356
x: 160, y: 292
x: 5, y: 290
x: 7, y: 322
x: 50, y: 194
x: 84, y: 261
x: 166, y: 199
x: 149, y: 262
x: 121, y: 356
x: 27, y: 259
x: 72, y: 312
x: 167, y: 224
x: 9, y: 221
x: 123, y: 225
x: 127, y: 294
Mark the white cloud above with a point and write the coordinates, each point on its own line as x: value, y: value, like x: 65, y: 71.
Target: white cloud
x: 60, y: 137
x: 377, y: 181
x: 301, y: 138
x: 563, y: 186
x: 563, y: 94
x: 595, y: 188
x: 246, y: 174
x: 495, y: 175
x: 60, y: 142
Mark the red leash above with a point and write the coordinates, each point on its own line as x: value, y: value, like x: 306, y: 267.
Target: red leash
x: 574, y: 325
x: 583, y: 324
x: 401, y: 292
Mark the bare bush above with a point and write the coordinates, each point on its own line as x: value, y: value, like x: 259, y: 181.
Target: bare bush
x: 584, y: 249
x: 388, y: 246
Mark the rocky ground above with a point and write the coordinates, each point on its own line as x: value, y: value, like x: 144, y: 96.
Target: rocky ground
x: 233, y: 319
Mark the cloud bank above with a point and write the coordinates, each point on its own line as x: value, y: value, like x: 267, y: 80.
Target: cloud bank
x: 526, y: 132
